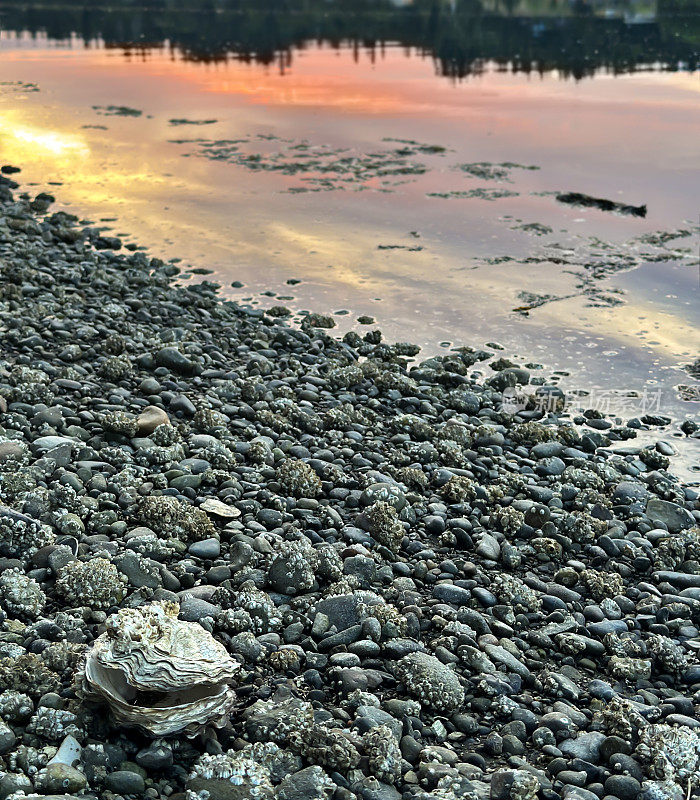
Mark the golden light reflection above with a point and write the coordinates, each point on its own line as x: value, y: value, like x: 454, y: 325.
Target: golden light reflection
x: 51, y: 141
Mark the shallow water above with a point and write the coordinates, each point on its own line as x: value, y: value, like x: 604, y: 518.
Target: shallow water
x: 320, y: 172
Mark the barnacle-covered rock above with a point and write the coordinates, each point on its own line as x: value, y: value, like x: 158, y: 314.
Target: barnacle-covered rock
x: 329, y: 747
x: 433, y: 683
x: 298, y: 479
x: 629, y: 669
x: 602, y: 584
x: 54, y: 724
x: 285, y: 659
x: 343, y: 377
x: 672, y: 753
x: 114, y: 368
x: 120, y: 422
x: 570, y: 643
x: 96, y: 583
x: 667, y: 655
x: 511, y: 590
x: 20, y: 535
x: 393, y: 622
x: 164, y: 434
x: 251, y: 610
x: 383, y: 753
x: 292, y: 569
x: 580, y: 527
x: 170, y: 518
x: 311, y: 783
x: 459, y: 489
x: 63, y: 657
x: 508, y: 519
x: 582, y: 478
x: 546, y: 547
x: 148, y: 650
x: 235, y: 775
x: 15, y: 706
x: 15, y: 484
x: 20, y: 595
x: 277, y: 719
x: 624, y: 646
x: 383, y: 523
x: 26, y: 672
x: 619, y: 717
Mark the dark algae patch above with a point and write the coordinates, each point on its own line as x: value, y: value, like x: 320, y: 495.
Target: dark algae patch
x: 482, y: 193
x: 492, y: 172
x: 593, y: 262
x: 118, y: 111
x: 18, y: 86
x: 184, y: 121
x: 319, y: 167
x: 586, y: 201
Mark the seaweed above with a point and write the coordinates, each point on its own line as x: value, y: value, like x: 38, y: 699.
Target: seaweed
x: 585, y: 200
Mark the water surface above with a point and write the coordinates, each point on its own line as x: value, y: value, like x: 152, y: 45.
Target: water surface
x: 398, y: 181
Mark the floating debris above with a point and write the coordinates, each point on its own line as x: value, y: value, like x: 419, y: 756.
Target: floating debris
x: 585, y: 200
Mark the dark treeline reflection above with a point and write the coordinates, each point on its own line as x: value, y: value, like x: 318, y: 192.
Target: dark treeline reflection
x: 460, y: 35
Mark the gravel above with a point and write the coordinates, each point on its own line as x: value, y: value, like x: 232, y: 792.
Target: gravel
x: 427, y: 597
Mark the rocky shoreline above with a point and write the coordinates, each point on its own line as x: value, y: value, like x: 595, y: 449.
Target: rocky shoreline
x: 294, y: 567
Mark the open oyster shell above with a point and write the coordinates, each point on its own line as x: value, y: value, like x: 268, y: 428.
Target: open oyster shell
x: 159, y: 673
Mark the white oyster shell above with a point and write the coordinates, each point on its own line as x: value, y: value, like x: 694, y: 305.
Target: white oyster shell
x: 182, y: 668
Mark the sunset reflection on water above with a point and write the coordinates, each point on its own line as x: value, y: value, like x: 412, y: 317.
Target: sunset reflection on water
x: 246, y: 226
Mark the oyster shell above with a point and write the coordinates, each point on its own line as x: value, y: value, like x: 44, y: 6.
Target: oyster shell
x: 159, y: 673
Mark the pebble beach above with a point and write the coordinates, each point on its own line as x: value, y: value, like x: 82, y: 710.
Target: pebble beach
x: 241, y: 558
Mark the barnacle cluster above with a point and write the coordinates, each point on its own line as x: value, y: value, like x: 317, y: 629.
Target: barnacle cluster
x: 672, y: 753
x: 291, y: 571
x: 114, y: 368
x: 580, y: 527
x: 667, y: 655
x: 95, y: 583
x: 298, y: 479
x: 459, y: 489
x: 120, y: 422
x: 248, y: 769
x: 619, y: 717
x: 27, y: 672
x: 15, y: 706
x: 507, y: 519
x: 54, y: 724
x: 20, y: 595
x: 383, y: 753
x: 171, y: 518
x: 250, y: 610
x: 383, y: 522
x: 629, y: 669
x: 329, y: 747
x: 511, y: 590
x: 21, y: 536
x: 602, y: 584
x: 433, y: 683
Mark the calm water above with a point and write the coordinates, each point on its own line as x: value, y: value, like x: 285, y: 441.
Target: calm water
x: 402, y: 165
